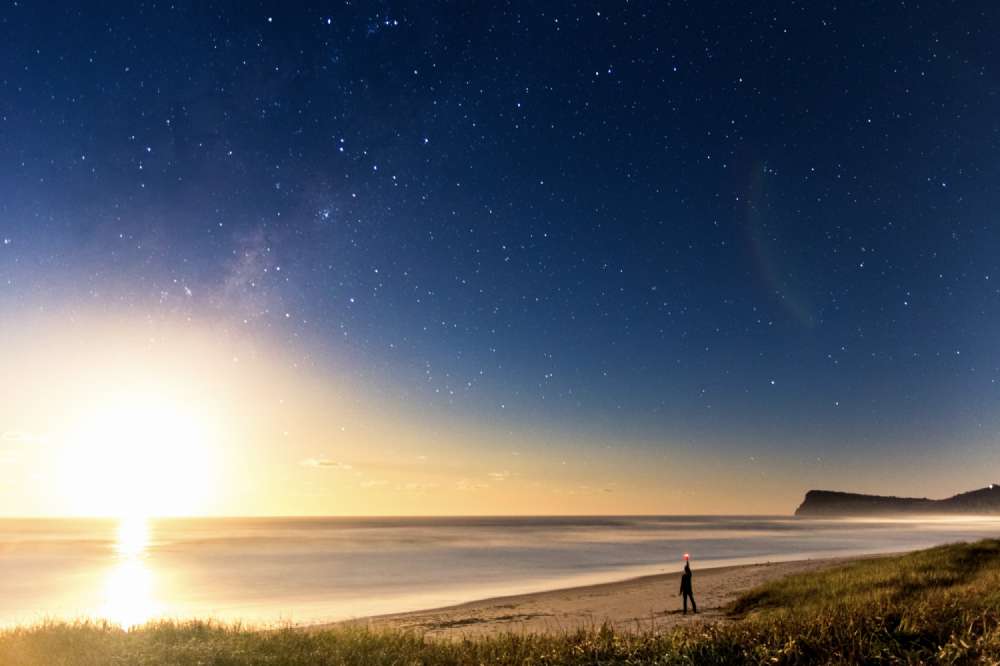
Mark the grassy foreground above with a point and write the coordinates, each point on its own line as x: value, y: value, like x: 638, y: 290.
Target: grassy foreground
x: 938, y: 605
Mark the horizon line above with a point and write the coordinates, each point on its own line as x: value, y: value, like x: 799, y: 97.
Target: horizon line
x: 440, y: 515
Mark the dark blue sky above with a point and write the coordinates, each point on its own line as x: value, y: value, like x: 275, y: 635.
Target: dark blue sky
x: 741, y: 225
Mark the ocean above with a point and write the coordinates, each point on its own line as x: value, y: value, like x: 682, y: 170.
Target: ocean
x: 309, y: 570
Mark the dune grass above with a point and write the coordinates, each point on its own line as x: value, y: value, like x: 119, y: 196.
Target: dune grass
x: 939, y: 605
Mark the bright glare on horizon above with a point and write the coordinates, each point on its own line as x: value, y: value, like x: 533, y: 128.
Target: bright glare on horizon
x: 138, y: 454
x: 174, y: 418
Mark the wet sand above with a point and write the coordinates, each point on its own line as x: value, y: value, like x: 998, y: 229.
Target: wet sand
x: 649, y: 603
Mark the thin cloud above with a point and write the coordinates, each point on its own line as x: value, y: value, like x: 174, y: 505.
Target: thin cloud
x: 466, y: 485
x: 499, y: 476
x: 21, y: 437
x: 420, y: 487
x: 326, y: 464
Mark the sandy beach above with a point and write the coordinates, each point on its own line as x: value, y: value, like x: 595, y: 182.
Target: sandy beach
x: 638, y: 604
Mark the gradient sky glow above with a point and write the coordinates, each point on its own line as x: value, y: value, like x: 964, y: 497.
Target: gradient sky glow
x: 421, y: 258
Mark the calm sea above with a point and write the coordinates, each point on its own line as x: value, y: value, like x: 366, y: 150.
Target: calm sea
x: 303, y: 570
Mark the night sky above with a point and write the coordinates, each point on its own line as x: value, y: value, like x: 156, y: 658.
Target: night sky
x: 759, y: 234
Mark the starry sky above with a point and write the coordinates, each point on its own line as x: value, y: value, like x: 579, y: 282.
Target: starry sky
x: 635, y: 257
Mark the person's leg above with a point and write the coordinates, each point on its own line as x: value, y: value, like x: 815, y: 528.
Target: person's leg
x: 694, y: 606
x: 685, y: 595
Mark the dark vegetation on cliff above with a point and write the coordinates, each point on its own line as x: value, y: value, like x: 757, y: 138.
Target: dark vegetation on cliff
x: 831, y: 503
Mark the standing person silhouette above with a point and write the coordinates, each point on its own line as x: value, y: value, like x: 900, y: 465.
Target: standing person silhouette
x: 686, y: 586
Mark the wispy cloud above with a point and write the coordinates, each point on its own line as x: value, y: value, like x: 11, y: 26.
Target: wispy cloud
x: 499, y: 476
x: 467, y: 485
x: 325, y: 463
x: 21, y: 437
x: 374, y: 483
x: 415, y: 486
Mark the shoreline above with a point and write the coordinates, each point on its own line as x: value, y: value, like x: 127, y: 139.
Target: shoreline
x: 949, y: 616
x: 648, y: 603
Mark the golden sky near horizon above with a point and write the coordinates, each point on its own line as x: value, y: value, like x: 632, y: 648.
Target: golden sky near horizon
x: 110, y: 415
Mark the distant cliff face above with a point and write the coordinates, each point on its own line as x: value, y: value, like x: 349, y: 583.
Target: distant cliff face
x: 831, y: 503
